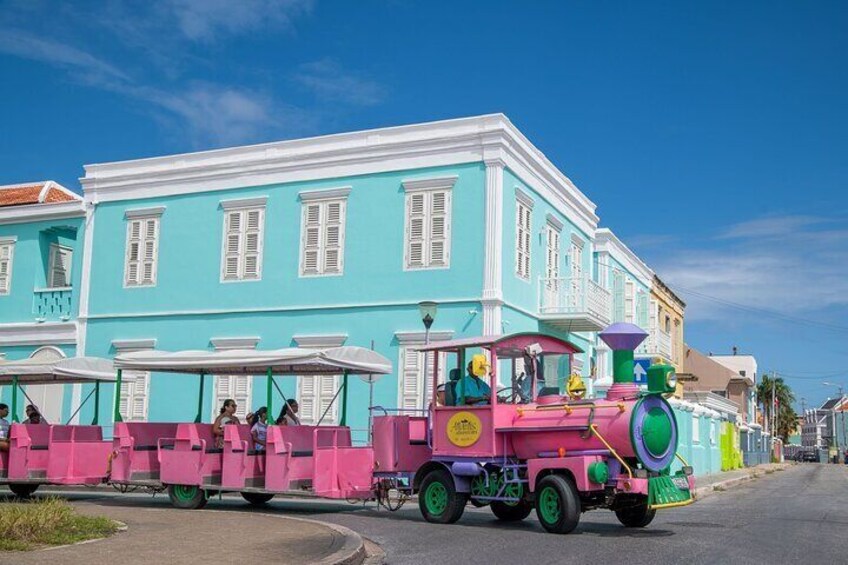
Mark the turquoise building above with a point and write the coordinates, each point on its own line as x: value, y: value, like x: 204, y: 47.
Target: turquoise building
x: 326, y: 241
x: 42, y: 227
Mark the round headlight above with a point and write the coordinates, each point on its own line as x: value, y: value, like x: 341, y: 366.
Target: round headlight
x: 671, y: 380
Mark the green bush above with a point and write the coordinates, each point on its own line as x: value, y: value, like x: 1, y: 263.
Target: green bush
x: 47, y: 521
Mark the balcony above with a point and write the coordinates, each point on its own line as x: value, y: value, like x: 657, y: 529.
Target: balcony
x: 52, y: 304
x: 574, y: 305
x: 658, y: 344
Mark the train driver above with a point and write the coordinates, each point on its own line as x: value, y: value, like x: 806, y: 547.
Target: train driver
x: 477, y: 391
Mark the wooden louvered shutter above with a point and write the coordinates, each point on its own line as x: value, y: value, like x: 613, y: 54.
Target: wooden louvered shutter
x: 333, y: 236
x: 311, y: 238
x: 133, y: 258
x: 60, y: 267
x: 416, y: 222
x: 148, y: 268
x: 253, y: 244
x: 232, y: 245
x: 307, y: 405
x: 410, y: 379
x: 439, y: 244
x: 6, y: 251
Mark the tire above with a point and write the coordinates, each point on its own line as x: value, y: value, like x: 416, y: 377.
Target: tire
x: 22, y: 490
x: 511, y: 512
x: 557, y: 504
x: 636, y: 515
x: 438, y: 500
x: 257, y: 498
x: 188, y: 497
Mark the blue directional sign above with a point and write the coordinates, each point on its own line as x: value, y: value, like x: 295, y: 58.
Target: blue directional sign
x: 640, y: 371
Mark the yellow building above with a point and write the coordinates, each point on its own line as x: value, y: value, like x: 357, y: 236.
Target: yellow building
x: 665, y: 339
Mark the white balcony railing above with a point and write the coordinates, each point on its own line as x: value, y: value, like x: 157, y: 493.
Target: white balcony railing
x: 658, y: 343
x: 579, y: 301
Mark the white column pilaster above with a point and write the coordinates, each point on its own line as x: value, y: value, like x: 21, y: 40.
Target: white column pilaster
x: 493, y: 253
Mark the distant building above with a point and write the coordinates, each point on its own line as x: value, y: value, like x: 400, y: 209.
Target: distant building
x: 825, y: 427
x: 702, y: 373
x: 666, y: 325
x: 745, y: 381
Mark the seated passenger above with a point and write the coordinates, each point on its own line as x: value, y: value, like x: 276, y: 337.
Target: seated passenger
x: 259, y: 431
x: 476, y: 390
x: 288, y: 415
x: 4, y: 427
x: 226, y: 416
x: 33, y: 415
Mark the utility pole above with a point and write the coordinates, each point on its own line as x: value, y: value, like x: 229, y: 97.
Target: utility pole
x: 773, y: 415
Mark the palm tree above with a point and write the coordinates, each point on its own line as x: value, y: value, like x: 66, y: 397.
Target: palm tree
x: 776, y: 388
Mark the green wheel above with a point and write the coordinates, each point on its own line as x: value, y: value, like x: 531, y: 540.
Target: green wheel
x: 190, y: 497
x: 636, y: 515
x: 557, y: 504
x: 257, y: 498
x: 438, y: 500
x: 22, y: 490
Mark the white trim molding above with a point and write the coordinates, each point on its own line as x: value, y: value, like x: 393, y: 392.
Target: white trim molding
x: 324, y: 340
x: 524, y: 198
x: 407, y: 338
x: 493, y: 250
x: 236, y: 203
x: 607, y: 242
x: 127, y: 345
x: 432, y: 144
x: 492, y: 317
x: 45, y: 333
x: 578, y: 241
x: 554, y: 222
x: 152, y: 212
x: 4, y: 239
x: 234, y: 342
x: 324, y: 194
x: 431, y: 183
x: 41, y: 212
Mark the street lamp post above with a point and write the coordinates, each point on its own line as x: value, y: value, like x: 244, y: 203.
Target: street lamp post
x: 841, y: 417
x: 427, y: 310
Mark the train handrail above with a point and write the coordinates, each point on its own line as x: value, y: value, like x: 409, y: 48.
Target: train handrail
x: 594, y: 428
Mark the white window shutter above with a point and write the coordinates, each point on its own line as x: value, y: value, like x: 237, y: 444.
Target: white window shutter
x: 134, y: 396
x: 142, y: 252
x: 522, y: 240
x: 243, y: 241
x: 416, y: 218
x: 322, y: 239
x: 6, y: 252
x: 307, y: 402
x: 410, y: 379
x: 59, y: 275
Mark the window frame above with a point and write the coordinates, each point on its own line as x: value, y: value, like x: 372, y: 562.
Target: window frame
x: 142, y: 217
x: 523, y: 237
x: 323, y: 200
x: 244, y: 207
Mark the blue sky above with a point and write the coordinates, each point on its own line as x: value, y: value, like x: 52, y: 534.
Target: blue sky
x: 711, y: 135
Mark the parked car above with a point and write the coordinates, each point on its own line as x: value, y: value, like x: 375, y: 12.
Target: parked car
x: 808, y: 456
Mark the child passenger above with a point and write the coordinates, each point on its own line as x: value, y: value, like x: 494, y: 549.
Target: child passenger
x: 259, y: 430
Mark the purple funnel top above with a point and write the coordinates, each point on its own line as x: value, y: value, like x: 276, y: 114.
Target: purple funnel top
x: 623, y: 336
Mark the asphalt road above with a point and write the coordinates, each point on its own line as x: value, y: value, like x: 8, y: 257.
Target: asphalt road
x: 798, y: 515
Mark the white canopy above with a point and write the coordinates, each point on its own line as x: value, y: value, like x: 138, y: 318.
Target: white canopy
x: 71, y: 370
x: 290, y: 361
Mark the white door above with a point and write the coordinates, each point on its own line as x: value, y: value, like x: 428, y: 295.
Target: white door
x: 47, y: 398
x: 237, y: 387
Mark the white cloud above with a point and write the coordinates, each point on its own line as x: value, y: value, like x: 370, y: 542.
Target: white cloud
x: 203, y: 20
x: 28, y: 46
x: 328, y: 80
x: 783, y: 263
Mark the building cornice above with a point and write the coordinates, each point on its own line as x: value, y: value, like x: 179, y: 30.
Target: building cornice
x: 417, y: 338
x: 45, y: 333
x: 324, y: 194
x: 607, y: 242
x: 234, y: 342
x: 429, y: 183
x: 41, y: 212
x: 236, y: 203
x: 127, y: 345
x: 320, y: 340
x: 450, y: 142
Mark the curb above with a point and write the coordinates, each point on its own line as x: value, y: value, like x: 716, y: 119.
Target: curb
x: 352, y: 551
x: 753, y: 473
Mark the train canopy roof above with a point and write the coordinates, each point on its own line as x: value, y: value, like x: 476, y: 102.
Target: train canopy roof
x: 289, y: 361
x: 60, y: 371
x: 508, y: 345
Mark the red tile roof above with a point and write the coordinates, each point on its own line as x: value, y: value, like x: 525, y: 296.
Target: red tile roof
x: 34, y: 193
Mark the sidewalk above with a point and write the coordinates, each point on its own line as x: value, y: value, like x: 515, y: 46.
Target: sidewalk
x: 188, y: 537
x: 707, y: 485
